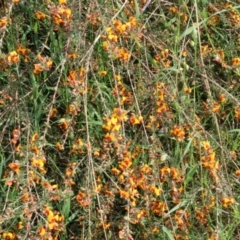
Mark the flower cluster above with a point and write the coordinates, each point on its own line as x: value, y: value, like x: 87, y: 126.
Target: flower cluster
x: 53, y: 226
x: 115, y: 33
x: 208, y: 160
x: 45, y: 64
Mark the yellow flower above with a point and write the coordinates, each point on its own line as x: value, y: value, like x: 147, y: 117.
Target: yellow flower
x: 9, y: 236
x: 38, y: 162
x: 65, y: 12
x: 113, y: 37
x: 105, y: 45
x: 206, y: 145
x: 155, y: 190
x: 62, y: 2
x: 42, y: 231
x: 102, y: 73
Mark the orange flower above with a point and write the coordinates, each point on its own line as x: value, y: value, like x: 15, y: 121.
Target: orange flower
x: 173, y: 9
x: 158, y: 207
x: 72, y: 56
x: 237, y: 172
x: 124, y: 194
x: 187, y: 90
x: 134, y: 120
x: 70, y: 171
x: 133, y: 21
x: 178, y: 132
x: 237, y: 113
x: 3, y: 22
x: 40, y: 15
x: 115, y: 171
x: 14, y: 167
x: 83, y: 199
x: 64, y: 124
x: 222, y: 98
x: 216, y: 107
x: 13, y: 57
x: 22, y: 51
x: 38, y: 68
x: 53, y: 113
x: 34, y: 137
x: 146, y: 169
x: 165, y: 171
x: 236, y: 61
x: 59, y: 146
x: 73, y: 109
x: 122, y: 53
x: 227, y: 201
x: 174, y: 173
x: 126, y: 163
x: 25, y: 197
x: 16, y: 133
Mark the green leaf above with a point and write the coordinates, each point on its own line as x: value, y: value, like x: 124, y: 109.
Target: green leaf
x: 72, y: 217
x: 234, y: 130
x: 137, y: 9
x: 66, y: 208
x: 187, y: 148
x: 190, y: 174
x: 35, y: 27
x: 183, y: 203
x: 169, y: 234
x: 123, y: 15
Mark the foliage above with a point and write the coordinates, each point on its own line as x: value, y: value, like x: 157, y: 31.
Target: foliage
x: 119, y: 120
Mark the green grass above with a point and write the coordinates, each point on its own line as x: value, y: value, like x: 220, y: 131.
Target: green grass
x: 118, y: 123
